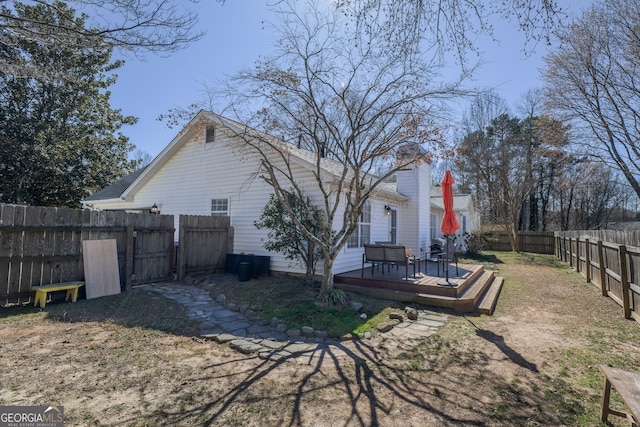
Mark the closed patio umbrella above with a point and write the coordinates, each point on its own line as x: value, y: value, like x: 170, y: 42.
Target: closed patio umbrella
x: 449, y: 222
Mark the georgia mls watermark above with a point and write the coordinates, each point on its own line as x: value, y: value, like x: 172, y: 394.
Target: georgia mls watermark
x: 31, y: 416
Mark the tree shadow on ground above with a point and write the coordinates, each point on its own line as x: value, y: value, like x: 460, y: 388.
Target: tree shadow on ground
x: 358, y: 382
x: 363, y: 387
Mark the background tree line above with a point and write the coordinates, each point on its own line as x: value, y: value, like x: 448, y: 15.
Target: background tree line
x: 528, y: 173
x: 572, y: 159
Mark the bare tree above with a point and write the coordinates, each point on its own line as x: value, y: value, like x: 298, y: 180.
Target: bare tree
x: 141, y: 157
x: 159, y: 26
x: 356, y: 107
x: 454, y: 25
x: 592, y: 78
x: 586, y: 195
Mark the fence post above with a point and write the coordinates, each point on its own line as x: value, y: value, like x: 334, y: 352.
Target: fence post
x: 577, y: 255
x: 182, y: 238
x: 624, y: 281
x: 587, y: 261
x: 130, y: 266
x: 173, y: 270
x: 603, y: 268
x: 571, y: 252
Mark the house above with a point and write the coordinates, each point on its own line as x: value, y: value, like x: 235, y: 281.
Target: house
x: 464, y: 208
x: 202, y: 172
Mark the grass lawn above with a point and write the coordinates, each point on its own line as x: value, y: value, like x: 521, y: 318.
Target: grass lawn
x: 135, y: 359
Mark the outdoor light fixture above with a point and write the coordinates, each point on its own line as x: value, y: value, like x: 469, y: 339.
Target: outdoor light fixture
x: 387, y: 210
x: 154, y: 209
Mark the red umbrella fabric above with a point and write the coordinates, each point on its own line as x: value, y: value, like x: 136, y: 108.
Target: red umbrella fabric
x: 449, y: 222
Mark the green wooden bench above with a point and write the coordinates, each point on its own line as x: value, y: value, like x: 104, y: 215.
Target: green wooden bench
x: 42, y: 291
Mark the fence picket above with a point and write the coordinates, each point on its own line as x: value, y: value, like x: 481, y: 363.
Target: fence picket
x: 617, y: 263
x: 542, y: 242
x: 39, y: 246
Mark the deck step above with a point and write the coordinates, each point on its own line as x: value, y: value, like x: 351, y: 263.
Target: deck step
x: 470, y: 286
x: 466, y: 302
x: 395, y: 295
x: 487, y: 303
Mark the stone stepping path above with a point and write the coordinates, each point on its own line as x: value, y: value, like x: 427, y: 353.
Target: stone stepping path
x: 257, y: 336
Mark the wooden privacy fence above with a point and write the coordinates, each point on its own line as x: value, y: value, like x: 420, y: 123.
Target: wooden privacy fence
x: 204, y: 244
x: 612, y: 266
x: 41, y: 246
x: 539, y: 242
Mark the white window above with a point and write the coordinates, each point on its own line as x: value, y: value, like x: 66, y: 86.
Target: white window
x: 220, y: 207
x: 210, y: 134
x: 362, y: 233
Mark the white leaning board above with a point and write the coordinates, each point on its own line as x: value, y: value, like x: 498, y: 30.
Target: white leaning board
x: 101, y: 273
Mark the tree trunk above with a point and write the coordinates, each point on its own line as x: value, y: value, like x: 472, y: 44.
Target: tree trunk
x: 310, y: 263
x: 514, y: 238
x: 327, y: 276
x: 309, y: 276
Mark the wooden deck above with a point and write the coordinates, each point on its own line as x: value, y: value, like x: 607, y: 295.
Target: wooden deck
x: 469, y: 289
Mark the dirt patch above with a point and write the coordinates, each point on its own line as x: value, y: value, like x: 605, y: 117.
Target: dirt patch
x: 134, y: 359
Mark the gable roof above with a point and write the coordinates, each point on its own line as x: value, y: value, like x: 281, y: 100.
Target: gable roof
x: 115, y: 190
x: 306, y: 158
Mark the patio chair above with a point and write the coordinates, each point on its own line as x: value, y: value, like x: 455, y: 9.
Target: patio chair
x: 373, y: 254
x: 397, y: 255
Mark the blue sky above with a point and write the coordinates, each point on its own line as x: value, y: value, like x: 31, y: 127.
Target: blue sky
x: 236, y: 35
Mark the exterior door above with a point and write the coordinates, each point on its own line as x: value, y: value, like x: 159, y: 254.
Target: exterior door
x: 393, y: 226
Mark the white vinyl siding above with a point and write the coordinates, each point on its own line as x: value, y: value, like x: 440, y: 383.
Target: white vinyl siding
x: 195, y: 173
x: 414, y: 219
x: 434, y: 223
